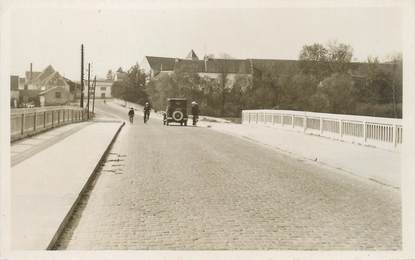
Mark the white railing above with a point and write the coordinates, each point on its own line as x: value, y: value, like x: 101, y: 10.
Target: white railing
x: 29, y: 121
x: 365, y: 130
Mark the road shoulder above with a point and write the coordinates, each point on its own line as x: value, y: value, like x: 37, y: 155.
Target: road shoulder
x: 375, y: 164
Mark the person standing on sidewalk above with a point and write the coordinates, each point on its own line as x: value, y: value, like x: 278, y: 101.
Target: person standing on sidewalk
x: 147, y: 110
x: 195, y: 112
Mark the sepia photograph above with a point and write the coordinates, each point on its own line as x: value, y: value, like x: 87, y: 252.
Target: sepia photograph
x: 177, y: 128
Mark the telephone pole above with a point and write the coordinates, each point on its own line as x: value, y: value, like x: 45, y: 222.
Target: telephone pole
x: 93, y: 100
x: 89, y: 87
x: 82, y: 76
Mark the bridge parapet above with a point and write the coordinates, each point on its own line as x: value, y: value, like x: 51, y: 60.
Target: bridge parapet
x: 29, y: 121
x: 365, y: 130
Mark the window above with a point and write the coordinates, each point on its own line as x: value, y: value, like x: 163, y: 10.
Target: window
x: 103, y: 88
x: 102, y: 95
x: 58, y: 95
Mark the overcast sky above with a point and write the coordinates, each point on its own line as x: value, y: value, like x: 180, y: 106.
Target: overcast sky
x: 115, y: 38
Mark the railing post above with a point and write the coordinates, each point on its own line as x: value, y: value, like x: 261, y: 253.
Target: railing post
x: 34, y: 121
x: 272, y: 118
x: 321, y: 126
x: 22, y: 129
x: 52, y: 118
x: 395, y: 133
x: 341, y: 128
x: 364, y: 132
x: 292, y: 121
x: 305, y: 124
x: 44, y: 120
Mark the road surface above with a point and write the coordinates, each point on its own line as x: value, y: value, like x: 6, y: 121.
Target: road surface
x: 191, y: 188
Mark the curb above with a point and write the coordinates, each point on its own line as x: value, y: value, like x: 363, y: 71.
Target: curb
x: 91, y: 178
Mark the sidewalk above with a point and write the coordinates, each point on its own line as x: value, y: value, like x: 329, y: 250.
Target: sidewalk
x: 49, y: 172
x: 27, y: 147
x: 379, y: 165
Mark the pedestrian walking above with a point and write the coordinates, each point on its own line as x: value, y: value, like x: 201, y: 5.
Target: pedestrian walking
x: 147, y: 109
x: 131, y: 115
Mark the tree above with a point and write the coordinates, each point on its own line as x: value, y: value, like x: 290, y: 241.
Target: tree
x: 340, y: 92
x: 322, y: 61
x: 131, y: 89
x: 339, y: 57
x: 319, y: 102
x: 396, y: 84
x: 314, y: 60
x: 302, y: 88
x: 315, y: 52
x: 223, y: 77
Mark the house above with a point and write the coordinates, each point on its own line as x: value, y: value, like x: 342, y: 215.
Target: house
x: 74, y: 89
x: 102, y: 88
x: 51, y: 87
x: 54, y: 96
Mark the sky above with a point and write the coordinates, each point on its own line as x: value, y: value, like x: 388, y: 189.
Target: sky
x: 121, y: 37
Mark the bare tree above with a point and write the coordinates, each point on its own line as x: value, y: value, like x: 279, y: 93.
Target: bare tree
x: 396, y: 61
x: 223, y: 76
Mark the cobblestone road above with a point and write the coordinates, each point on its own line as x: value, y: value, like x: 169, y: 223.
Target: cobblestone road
x: 187, y: 188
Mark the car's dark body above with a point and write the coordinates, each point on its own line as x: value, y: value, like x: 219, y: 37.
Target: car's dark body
x: 176, y: 111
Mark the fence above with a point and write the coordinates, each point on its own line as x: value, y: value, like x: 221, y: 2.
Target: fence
x: 372, y: 131
x: 29, y: 121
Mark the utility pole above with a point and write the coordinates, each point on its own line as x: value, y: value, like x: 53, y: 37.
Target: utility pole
x: 82, y: 75
x: 93, y: 100
x: 89, y: 87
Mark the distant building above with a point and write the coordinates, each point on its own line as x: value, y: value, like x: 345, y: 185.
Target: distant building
x: 208, y: 67
x: 58, y: 95
x: 192, y: 55
x: 102, y: 89
x: 118, y: 76
x: 45, y: 88
x: 213, y: 68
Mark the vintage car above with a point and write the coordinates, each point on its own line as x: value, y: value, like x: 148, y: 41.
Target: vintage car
x: 176, y: 111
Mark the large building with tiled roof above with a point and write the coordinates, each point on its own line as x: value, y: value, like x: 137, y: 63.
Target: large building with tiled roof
x: 208, y: 67
x: 213, y: 68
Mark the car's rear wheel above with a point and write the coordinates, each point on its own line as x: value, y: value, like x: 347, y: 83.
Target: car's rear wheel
x: 177, y: 116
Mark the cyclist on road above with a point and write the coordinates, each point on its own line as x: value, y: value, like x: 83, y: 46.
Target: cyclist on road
x: 131, y: 115
x: 195, y: 112
x: 147, y: 110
